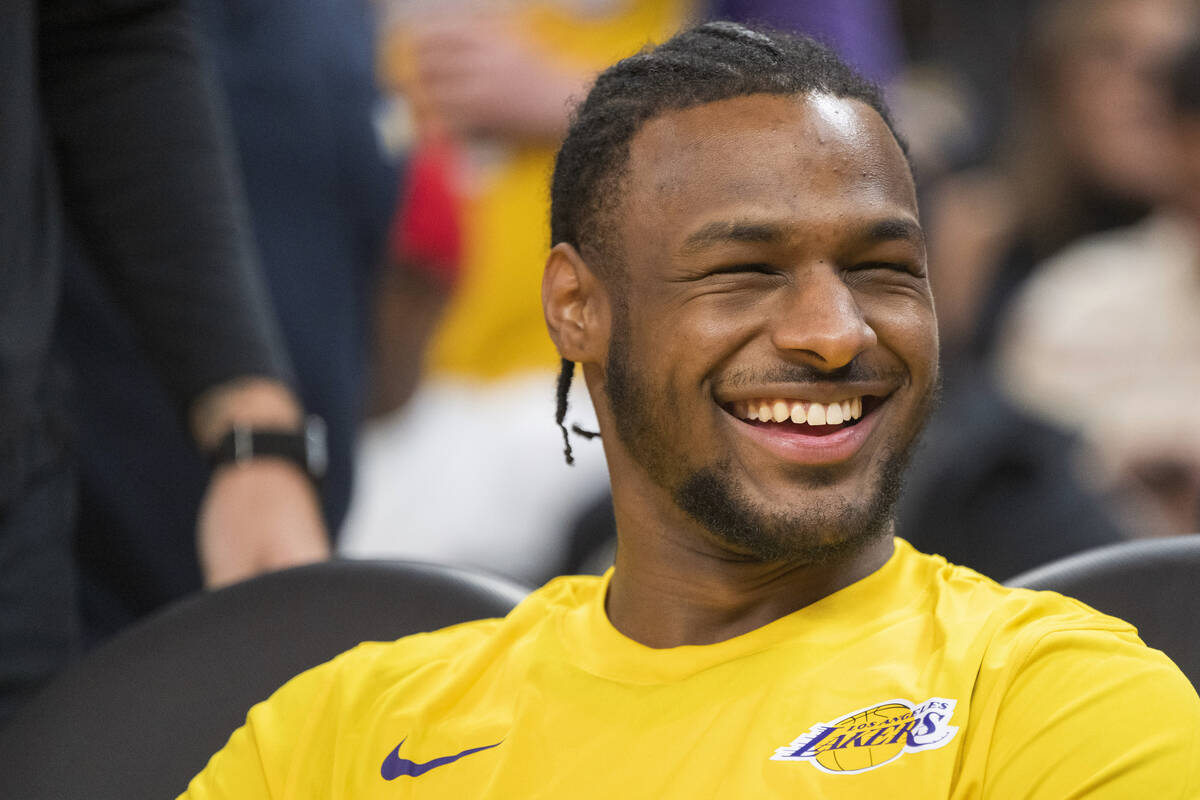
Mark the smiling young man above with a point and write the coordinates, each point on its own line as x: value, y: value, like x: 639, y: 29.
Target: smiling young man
x: 740, y: 270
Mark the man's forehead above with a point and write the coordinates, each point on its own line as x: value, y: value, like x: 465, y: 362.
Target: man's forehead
x: 784, y: 151
x: 826, y: 114
x: 812, y: 125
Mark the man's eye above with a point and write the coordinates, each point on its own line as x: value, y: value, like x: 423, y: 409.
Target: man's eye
x: 882, y: 265
x: 890, y: 266
x: 734, y: 269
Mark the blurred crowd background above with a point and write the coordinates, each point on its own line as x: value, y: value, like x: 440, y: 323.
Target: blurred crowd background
x: 395, y: 157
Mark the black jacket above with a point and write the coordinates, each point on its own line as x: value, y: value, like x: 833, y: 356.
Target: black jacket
x: 107, y: 125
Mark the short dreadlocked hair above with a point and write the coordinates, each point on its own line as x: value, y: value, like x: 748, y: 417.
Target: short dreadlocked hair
x: 710, y: 62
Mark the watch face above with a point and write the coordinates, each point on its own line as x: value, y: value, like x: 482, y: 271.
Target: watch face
x: 316, y: 452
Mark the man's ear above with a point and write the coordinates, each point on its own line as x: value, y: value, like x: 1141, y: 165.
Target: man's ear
x: 576, y: 306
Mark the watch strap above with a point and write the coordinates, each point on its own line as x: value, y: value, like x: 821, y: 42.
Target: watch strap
x: 305, y: 448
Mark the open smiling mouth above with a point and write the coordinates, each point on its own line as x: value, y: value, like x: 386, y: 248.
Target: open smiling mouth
x: 802, y: 416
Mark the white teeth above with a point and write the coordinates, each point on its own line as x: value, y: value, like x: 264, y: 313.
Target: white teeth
x: 800, y: 412
x: 816, y: 414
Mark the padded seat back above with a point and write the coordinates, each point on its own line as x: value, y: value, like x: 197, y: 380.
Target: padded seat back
x: 141, y: 715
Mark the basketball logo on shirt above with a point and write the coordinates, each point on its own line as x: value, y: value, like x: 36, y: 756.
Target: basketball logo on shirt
x: 873, y: 736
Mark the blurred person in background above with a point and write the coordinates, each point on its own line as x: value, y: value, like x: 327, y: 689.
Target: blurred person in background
x: 298, y: 82
x: 1105, y: 339
x: 460, y: 464
x: 1086, y: 150
x: 109, y: 128
x: 996, y: 486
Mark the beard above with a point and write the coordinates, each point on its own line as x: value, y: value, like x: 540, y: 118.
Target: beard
x: 813, y: 534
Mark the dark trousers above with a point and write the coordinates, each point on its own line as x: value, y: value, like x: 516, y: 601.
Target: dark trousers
x: 39, y: 616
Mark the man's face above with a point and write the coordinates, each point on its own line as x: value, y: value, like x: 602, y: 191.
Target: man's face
x: 774, y: 349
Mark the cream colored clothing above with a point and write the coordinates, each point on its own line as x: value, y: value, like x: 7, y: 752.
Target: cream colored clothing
x: 1105, y: 338
x: 472, y: 472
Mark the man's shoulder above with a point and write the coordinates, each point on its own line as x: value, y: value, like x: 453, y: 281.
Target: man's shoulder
x: 1040, y: 647
x: 1058, y: 694
x: 1009, y: 617
x: 463, y: 641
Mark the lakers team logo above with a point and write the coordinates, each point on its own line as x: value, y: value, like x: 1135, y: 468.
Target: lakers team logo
x: 873, y: 736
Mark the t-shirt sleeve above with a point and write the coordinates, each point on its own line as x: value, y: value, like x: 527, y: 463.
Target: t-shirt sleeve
x: 257, y: 763
x: 1095, y: 714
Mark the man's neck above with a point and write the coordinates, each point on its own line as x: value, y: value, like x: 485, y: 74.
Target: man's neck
x: 675, y: 586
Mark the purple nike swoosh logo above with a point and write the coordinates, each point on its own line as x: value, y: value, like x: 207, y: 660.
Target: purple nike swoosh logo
x: 394, y: 766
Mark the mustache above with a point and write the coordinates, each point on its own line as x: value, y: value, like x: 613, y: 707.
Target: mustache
x: 853, y: 372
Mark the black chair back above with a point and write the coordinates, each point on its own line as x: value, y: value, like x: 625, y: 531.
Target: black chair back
x: 1153, y: 584
x: 140, y: 716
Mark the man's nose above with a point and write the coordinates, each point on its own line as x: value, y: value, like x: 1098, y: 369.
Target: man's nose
x: 821, y: 322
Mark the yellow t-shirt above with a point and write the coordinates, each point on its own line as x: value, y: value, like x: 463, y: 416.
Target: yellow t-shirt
x: 923, y: 680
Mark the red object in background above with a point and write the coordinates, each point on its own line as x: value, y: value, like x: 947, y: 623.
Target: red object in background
x: 426, y: 232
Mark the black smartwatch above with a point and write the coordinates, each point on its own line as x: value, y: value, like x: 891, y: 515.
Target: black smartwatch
x: 305, y: 448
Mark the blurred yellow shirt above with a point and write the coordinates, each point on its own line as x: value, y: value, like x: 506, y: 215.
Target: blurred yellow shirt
x: 923, y: 680
x: 494, y: 326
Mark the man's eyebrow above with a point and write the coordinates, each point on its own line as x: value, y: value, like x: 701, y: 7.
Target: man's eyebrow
x: 737, y: 232
x: 726, y: 232
x: 895, y: 228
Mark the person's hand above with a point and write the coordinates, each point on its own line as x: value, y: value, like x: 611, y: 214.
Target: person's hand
x: 258, y: 516
x: 477, y: 76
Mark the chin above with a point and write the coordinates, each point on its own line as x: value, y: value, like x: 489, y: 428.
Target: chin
x: 823, y: 525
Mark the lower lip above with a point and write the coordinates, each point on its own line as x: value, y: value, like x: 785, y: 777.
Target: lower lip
x: 826, y: 449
